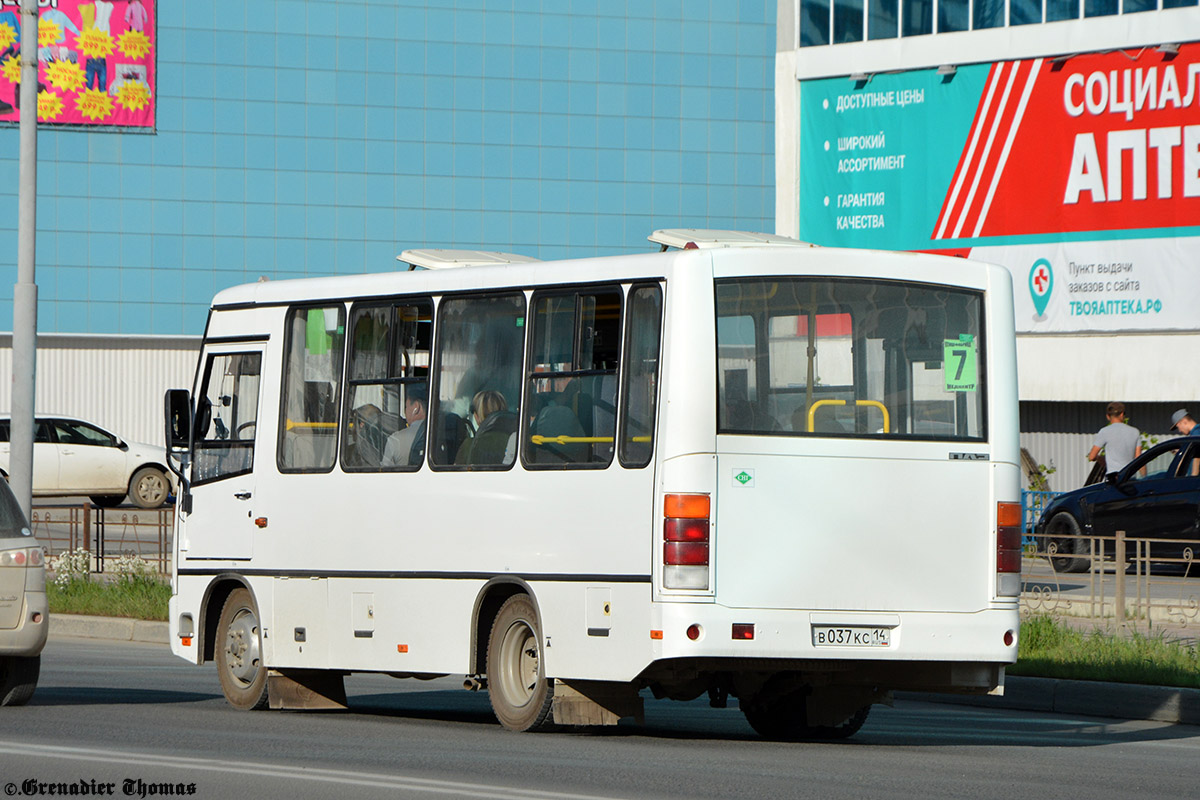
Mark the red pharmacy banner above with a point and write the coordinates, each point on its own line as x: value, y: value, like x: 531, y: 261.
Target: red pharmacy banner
x: 95, y: 62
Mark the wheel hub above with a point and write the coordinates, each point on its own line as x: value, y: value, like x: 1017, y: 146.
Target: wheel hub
x: 241, y: 647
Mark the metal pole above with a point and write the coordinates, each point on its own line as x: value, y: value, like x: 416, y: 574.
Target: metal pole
x: 24, y: 342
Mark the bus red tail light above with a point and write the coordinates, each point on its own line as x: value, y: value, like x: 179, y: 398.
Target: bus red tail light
x: 685, y: 530
x: 690, y: 553
x: 1008, y: 549
x: 685, y: 541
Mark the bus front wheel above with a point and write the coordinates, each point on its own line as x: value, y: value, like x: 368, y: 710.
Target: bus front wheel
x: 517, y: 687
x: 239, y: 653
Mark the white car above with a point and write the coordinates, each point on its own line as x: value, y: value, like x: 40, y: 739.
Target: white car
x: 73, y: 457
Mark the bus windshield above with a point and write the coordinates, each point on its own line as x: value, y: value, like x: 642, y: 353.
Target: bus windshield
x: 849, y: 357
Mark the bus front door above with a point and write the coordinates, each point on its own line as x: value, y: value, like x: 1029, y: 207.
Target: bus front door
x: 221, y: 523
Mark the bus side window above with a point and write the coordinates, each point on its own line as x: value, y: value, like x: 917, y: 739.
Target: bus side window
x: 308, y: 424
x: 225, y: 447
x: 388, y: 372
x: 480, y: 344
x: 572, y: 391
x: 638, y: 400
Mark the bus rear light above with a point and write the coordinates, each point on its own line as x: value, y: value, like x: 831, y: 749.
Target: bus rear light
x: 694, y: 631
x: 1009, y: 638
x: 743, y: 630
x: 685, y: 541
x: 682, y: 577
x: 689, y: 506
x: 1008, y: 549
x: 693, y: 554
x: 1008, y: 537
x: 685, y: 530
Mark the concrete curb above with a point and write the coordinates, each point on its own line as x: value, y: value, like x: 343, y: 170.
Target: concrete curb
x: 1088, y: 698
x: 1049, y: 695
x: 116, y: 628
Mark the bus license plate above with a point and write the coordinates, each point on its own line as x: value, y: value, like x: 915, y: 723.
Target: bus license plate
x: 836, y: 636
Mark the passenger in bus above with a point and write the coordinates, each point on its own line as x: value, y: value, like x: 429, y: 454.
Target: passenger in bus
x: 405, y: 447
x: 495, y: 428
x: 556, y: 419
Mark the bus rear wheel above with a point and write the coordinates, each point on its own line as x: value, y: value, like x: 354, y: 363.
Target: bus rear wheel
x: 784, y: 719
x: 239, y: 653
x: 517, y: 687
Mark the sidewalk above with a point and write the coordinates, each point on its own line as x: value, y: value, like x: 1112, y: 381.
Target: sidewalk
x: 116, y: 628
x: 1051, y: 695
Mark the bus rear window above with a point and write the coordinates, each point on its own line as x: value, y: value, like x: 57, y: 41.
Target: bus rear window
x: 858, y: 358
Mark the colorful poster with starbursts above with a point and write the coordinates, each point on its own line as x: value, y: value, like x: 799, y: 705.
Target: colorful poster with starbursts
x: 96, y: 62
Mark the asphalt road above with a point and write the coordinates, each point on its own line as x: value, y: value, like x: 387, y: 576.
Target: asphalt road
x: 111, y: 713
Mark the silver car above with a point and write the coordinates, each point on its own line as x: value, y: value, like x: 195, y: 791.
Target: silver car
x: 24, y: 619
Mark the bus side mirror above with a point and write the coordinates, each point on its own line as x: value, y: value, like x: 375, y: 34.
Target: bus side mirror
x: 178, y: 406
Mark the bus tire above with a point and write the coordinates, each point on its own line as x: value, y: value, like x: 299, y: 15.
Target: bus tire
x: 783, y: 719
x: 521, y: 696
x: 18, y: 679
x: 1064, y: 525
x: 239, y: 653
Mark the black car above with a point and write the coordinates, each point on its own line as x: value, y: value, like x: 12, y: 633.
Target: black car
x: 1156, y: 496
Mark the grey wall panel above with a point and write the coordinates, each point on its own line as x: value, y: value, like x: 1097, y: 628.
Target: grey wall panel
x: 115, y: 382
x: 1066, y: 452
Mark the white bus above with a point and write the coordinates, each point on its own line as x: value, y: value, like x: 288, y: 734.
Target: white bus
x: 783, y: 474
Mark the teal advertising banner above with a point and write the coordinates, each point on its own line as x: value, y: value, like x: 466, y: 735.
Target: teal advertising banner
x: 874, y: 160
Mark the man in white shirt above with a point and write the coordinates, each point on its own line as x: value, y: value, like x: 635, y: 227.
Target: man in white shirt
x: 1120, y: 443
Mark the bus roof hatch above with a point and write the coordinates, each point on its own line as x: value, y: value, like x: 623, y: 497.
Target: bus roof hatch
x: 445, y: 259
x: 692, y: 238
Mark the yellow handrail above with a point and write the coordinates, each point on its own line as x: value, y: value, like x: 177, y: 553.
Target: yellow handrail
x: 290, y: 424
x: 887, y: 427
x: 539, y: 439
x: 812, y: 411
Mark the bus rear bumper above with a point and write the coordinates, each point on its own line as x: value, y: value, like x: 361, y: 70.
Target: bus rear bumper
x: 792, y: 639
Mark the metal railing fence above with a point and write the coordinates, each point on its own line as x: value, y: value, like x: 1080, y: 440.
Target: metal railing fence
x: 106, y: 533
x: 1139, y: 584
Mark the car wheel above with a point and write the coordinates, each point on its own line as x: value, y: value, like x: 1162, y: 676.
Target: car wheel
x: 18, y: 679
x: 149, y: 488
x: 1066, y: 546
x: 107, y: 500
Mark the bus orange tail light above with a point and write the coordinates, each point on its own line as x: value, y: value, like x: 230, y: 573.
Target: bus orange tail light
x: 1008, y: 549
x: 685, y: 541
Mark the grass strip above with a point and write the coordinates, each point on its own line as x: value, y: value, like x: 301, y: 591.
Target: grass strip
x: 1051, y: 649
x: 141, y: 598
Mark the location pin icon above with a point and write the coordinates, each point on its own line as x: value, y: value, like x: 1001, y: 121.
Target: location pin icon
x: 1041, y: 281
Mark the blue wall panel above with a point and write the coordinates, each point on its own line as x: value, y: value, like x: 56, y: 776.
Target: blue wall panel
x: 296, y: 137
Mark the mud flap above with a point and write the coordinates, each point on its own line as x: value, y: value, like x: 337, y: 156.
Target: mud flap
x: 595, y: 703
x: 306, y: 689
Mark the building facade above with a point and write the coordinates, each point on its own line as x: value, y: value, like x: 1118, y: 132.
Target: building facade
x: 294, y: 138
x: 1060, y: 138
